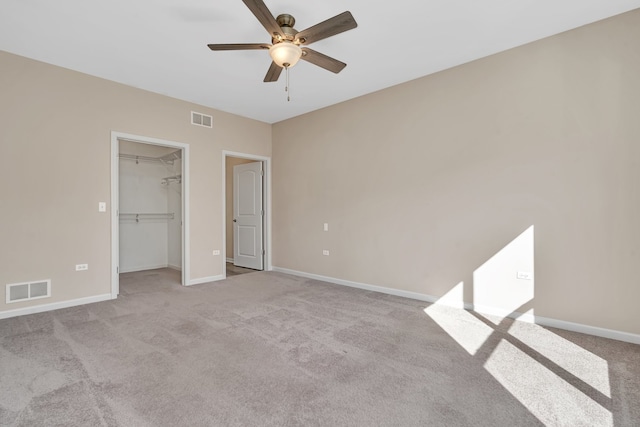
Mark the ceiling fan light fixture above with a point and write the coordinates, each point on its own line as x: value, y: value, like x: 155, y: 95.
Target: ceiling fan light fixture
x: 286, y: 54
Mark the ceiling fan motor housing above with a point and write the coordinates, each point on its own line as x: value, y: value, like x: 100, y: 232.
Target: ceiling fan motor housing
x: 286, y: 23
x: 286, y: 20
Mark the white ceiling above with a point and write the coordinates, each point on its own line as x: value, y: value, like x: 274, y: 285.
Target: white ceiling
x: 161, y: 45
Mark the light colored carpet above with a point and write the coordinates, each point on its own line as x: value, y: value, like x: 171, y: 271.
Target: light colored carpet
x: 270, y: 349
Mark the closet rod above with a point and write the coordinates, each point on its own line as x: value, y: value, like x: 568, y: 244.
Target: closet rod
x: 170, y: 179
x: 146, y: 158
x: 143, y: 216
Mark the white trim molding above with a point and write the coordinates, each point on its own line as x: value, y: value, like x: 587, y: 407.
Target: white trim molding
x: 365, y: 286
x: 143, y: 268
x: 115, y: 196
x: 578, y: 327
x: 524, y: 317
x: 209, y: 279
x: 266, y: 162
x: 53, y: 306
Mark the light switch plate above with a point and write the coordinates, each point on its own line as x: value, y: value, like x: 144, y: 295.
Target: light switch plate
x: 102, y: 207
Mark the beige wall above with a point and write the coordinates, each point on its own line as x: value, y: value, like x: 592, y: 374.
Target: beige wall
x: 55, y: 136
x: 230, y: 162
x: 423, y: 183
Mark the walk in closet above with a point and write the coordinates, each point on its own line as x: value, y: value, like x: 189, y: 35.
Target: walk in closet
x: 150, y: 207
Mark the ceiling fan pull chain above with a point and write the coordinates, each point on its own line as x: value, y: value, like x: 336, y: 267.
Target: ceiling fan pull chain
x: 286, y: 88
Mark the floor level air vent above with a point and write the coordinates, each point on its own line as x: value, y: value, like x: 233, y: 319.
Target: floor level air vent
x: 27, y: 291
x: 201, y: 119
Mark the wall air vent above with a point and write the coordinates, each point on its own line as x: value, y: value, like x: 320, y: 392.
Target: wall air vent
x: 200, y: 119
x: 28, y: 291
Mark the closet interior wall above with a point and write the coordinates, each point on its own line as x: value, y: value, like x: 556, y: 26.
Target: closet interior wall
x: 150, y: 207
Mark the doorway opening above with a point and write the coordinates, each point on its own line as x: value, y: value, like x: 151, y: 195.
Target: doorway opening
x: 246, y: 211
x: 149, y: 199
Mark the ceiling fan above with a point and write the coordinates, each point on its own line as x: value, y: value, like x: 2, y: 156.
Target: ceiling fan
x: 285, y: 50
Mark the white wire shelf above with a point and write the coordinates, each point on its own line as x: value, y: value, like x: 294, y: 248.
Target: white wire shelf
x: 137, y: 217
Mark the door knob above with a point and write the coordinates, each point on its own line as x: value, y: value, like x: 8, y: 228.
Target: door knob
x: 235, y: 220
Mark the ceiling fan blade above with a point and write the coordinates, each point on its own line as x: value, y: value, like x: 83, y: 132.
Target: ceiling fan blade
x: 239, y: 46
x: 321, y: 60
x: 260, y: 10
x: 332, y: 26
x: 273, y: 74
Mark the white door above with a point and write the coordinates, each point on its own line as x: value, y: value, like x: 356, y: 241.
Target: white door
x: 247, y: 215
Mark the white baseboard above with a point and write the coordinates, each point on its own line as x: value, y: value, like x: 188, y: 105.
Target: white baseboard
x: 524, y: 317
x: 206, y: 280
x: 381, y: 289
x: 143, y: 268
x: 578, y: 327
x: 231, y: 260
x: 53, y: 306
x: 174, y: 267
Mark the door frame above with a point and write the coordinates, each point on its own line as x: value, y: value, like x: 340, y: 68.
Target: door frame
x: 115, y: 202
x: 266, y: 201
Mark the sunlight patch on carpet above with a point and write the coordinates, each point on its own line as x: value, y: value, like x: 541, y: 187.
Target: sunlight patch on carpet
x: 461, y: 325
x: 547, y: 396
x: 585, y: 365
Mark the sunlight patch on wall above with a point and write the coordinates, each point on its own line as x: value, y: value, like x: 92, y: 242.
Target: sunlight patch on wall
x: 581, y: 363
x: 497, y: 287
x: 547, y: 396
x: 453, y: 298
x: 461, y: 325
x: 549, y: 375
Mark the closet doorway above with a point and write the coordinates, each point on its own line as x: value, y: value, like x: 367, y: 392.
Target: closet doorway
x: 149, y: 205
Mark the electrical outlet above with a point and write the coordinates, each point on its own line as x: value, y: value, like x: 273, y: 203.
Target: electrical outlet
x: 325, y: 252
x: 326, y: 226
x: 216, y: 252
x: 82, y: 267
x: 525, y: 275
